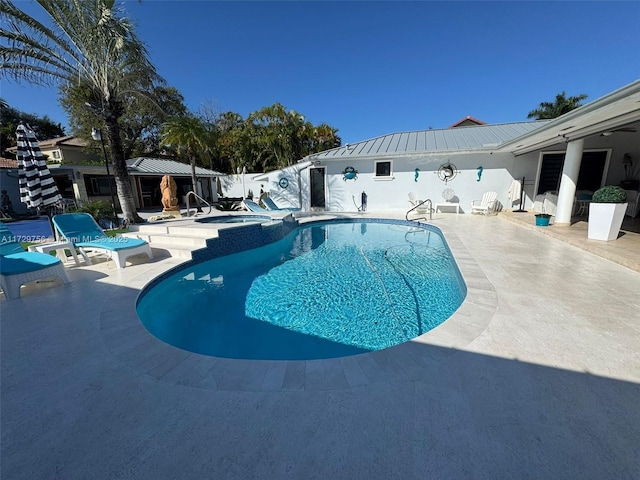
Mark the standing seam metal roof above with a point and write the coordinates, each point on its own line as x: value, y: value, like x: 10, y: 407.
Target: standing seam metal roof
x: 450, y: 139
x: 157, y: 166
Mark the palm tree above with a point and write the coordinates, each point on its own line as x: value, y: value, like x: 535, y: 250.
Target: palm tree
x: 560, y: 106
x: 189, y: 135
x: 90, y: 47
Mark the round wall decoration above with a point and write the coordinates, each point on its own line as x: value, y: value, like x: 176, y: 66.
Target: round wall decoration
x: 447, y: 172
x: 283, y: 182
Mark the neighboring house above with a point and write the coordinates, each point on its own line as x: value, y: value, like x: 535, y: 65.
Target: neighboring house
x: 69, y: 149
x: 581, y: 150
x: 83, y: 177
x: 147, y: 172
x: 468, y: 121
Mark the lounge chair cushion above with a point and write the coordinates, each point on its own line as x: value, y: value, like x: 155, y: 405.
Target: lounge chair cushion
x: 25, y: 262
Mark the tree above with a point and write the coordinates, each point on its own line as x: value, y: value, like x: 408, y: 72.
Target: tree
x: 43, y: 127
x: 188, y: 135
x: 559, y: 106
x: 278, y: 137
x: 140, y: 123
x: 90, y: 46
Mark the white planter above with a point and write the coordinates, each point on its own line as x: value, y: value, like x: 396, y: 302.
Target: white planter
x: 605, y: 220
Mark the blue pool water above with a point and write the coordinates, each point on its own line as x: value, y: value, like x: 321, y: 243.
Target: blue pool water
x: 326, y: 290
x: 235, y: 219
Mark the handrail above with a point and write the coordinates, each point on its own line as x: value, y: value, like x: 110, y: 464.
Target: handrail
x: 197, y: 196
x: 428, y: 200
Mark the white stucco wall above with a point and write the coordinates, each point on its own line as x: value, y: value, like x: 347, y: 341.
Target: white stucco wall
x: 498, y: 172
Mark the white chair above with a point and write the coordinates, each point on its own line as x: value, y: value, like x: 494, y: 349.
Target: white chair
x: 485, y: 206
x: 633, y: 200
x: 414, y: 201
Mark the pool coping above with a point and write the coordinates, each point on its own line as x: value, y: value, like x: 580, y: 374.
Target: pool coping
x: 125, y: 336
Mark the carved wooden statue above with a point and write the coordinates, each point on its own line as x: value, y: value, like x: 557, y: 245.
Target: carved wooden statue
x: 169, y: 191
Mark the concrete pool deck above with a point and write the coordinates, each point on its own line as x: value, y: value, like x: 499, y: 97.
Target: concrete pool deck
x: 536, y: 376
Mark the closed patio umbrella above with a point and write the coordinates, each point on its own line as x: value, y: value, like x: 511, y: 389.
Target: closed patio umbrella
x: 37, y: 187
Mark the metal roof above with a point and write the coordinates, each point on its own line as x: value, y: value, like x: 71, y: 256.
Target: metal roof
x: 158, y: 166
x: 480, y: 137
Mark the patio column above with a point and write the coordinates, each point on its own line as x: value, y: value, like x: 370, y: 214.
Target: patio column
x: 570, y: 171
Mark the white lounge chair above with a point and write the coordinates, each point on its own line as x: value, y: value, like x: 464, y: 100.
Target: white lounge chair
x: 18, y: 267
x: 86, y: 235
x: 414, y: 201
x: 485, y: 206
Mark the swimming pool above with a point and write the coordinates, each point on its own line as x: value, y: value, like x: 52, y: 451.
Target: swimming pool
x: 329, y: 289
x: 235, y: 219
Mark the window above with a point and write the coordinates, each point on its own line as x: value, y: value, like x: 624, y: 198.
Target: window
x: 98, y: 184
x: 383, y: 169
x: 56, y: 154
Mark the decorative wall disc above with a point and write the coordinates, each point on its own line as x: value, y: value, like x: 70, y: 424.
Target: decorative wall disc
x: 447, y: 172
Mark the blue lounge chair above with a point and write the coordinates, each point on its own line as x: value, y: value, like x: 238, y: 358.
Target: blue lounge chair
x: 253, y: 206
x: 271, y: 205
x: 86, y: 235
x: 18, y: 267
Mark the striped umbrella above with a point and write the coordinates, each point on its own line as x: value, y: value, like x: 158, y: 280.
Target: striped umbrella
x: 37, y: 186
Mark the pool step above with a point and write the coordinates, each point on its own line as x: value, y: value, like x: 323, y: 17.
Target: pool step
x: 176, y: 241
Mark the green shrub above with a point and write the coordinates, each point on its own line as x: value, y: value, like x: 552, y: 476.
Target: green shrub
x: 609, y: 194
x: 102, y: 211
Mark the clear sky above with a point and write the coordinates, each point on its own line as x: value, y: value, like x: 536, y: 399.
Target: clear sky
x: 373, y: 68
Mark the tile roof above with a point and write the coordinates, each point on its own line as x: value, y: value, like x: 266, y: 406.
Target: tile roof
x: 69, y: 140
x: 8, y: 163
x: 466, y: 121
x: 158, y: 166
x: 480, y: 137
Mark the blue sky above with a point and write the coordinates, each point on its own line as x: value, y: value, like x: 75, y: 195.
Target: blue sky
x: 372, y: 68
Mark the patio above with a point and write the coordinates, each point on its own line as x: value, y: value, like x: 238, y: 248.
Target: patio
x: 624, y: 251
x: 536, y: 376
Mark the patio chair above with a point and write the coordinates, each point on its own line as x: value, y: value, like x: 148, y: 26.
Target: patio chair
x: 414, y: 201
x: 86, y: 235
x: 254, y: 207
x: 271, y: 205
x: 18, y: 267
x: 633, y: 201
x: 485, y: 206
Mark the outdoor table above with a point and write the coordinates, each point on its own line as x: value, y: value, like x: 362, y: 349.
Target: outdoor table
x: 59, y: 246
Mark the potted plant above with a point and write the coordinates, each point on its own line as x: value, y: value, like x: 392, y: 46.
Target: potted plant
x: 606, y: 213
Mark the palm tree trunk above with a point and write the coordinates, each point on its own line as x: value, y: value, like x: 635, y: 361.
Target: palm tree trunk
x: 123, y: 184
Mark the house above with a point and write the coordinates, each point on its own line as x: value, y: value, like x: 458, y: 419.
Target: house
x: 581, y: 150
x: 467, y: 121
x: 82, y: 176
